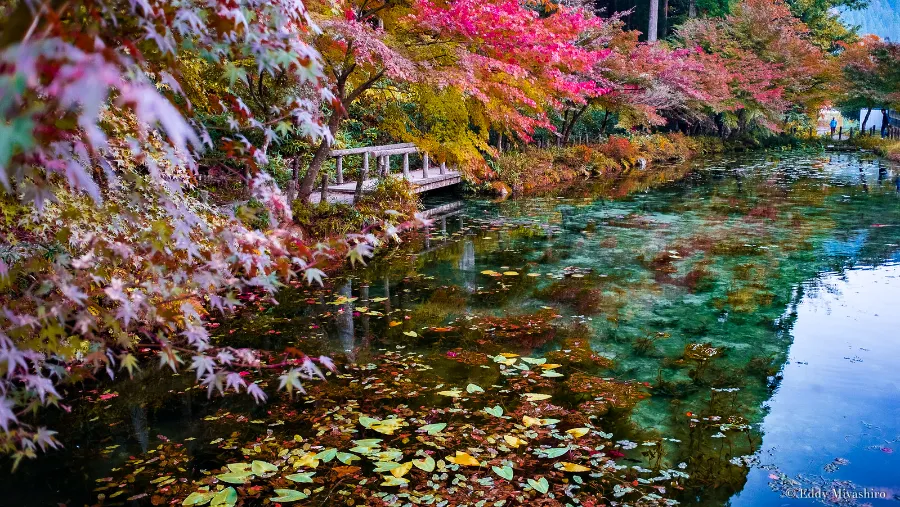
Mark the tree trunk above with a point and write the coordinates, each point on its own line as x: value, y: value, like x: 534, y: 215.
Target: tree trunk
x: 605, y: 118
x: 321, y: 154
x: 665, y: 19
x: 653, y: 29
x: 862, y: 127
x: 692, y: 9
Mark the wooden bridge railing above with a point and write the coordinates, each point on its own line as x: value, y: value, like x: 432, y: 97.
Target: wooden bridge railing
x: 382, y: 156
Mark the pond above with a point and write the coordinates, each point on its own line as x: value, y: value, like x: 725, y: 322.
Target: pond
x: 708, y: 334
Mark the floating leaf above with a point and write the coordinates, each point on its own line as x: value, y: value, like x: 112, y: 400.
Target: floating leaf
x: 551, y: 374
x: 574, y: 467
x: 464, y: 459
x: 394, y: 323
x: 454, y: 393
x: 578, y: 432
x: 510, y: 273
x: 495, y: 411
x: 402, y: 470
x: 235, y: 477
x: 386, y: 466
x: 346, y: 457
x: 514, y: 441
x: 239, y: 467
x: 304, y: 477
x: 553, y: 452
x: 288, y: 495
x: 433, y: 429
x: 225, y: 498
x: 550, y: 366
x: 532, y: 360
x: 505, y: 471
x: 327, y: 455
x: 307, y: 460
x: 367, y: 422
x: 262, y: 467
x: 411, y: 334
x: 540, y: 485
x: 509, y: 354
x: 533, y: 421
x: 390, y: 480
x: 472, y: 388
x: 536, y: 396
x: 387, y: 426
x: 426, y: 464
x: 198, y: 498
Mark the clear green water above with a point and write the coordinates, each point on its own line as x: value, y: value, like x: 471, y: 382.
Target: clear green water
x: 762, y: 289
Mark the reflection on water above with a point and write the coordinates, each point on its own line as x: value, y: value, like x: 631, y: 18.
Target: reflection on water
x: 751, y: 296
x: 836, y: 414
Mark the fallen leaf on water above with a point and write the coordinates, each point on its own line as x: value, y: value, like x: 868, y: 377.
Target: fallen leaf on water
x: 426, y: 464
x: 536, y: 396
x: 288, y: 495
x: 540, y: 485
x: 573, y: 467
x: 472, y: 388
x: 402, y: 470
x: 463, y: 459
x: 505, y: 471
x: 578, y: 432
x: 304, y: 477
x: 514, y: 441
x: 390, y: 480
x: 433, y: 429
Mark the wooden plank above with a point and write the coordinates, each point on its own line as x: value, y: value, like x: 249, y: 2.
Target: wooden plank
x: 368, y: 149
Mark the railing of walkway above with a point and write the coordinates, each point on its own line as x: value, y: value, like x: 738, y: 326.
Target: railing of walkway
x: 382, y: 155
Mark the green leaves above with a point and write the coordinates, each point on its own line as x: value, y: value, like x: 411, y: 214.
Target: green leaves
x: 541, y: 485
x: 427, y: 463
x: 304, y: 477
x: 472, y: 389
x: 262, y: 467
x: 495, y: 411
x: 288, y: 495
x: 198, y: 498
x: 433, y: 429
x: 225, y: 498
x: 505, y: 471
x: 327, y: 455
x: 552, y: 453
x: 235, y: 477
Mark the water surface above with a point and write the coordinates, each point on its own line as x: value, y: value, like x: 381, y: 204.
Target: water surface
x: 751, y: 302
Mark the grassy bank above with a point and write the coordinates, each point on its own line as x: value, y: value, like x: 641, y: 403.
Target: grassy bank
x: 887, y: 148
x: 538, y: 171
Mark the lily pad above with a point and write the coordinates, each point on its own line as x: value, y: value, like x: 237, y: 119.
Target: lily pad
x: 288, y: 495
x: 505, y: 471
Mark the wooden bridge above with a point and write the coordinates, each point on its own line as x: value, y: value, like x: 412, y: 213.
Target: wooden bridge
x: 423, y: 179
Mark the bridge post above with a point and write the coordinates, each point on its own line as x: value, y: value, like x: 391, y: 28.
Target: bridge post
x: 387, y: 166
x: 324, y: 196
x: 443, y: 168
x: 425, y: 165
x: 406, y: 166
x: 444, y: 225
x: 340, y: 170
x: 362, y: 178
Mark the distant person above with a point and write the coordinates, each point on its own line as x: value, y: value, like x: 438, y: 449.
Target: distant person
x: 833, y: 126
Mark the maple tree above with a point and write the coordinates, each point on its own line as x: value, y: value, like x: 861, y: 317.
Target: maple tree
x: 111, y: 252
x: 869, y: 78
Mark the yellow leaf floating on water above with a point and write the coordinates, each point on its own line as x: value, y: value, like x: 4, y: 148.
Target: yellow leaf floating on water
x: 464, y: 459
x: 411, y: 334
x: 578, y: 432
x: 514, y: 441
x: 573, y: 467
x: 455, y: 393
x: 508, y: 354
x: 510, y: 273
x: 402, y: 470
x: 533, y: 421
x: 536, y: 396
x: 308, y: 460
x: 550, y: 366
x: 394, y: 323
x: 387, y: 426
